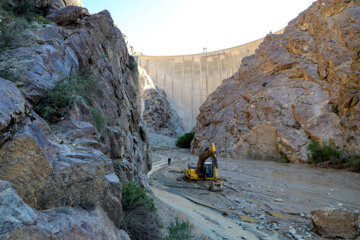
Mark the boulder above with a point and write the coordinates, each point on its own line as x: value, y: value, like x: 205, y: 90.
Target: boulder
x: 12, y: 209
x: 68, y: 15
x: 54, y: 5
x: 13, y: 106
x: 48, y: 174
x: 19, y: 221
x: 335, y: 223
x: 24, y: 163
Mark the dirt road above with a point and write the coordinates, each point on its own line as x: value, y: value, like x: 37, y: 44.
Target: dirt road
x: 261, y: 200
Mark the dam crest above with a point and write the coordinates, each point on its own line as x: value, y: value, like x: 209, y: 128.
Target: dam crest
x: 189, y: 79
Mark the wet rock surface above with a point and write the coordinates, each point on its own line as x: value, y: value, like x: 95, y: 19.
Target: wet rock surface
x: 301, y: 84
x: 267, y: 200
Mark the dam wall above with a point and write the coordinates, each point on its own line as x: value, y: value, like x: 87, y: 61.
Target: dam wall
x: 189, y: 79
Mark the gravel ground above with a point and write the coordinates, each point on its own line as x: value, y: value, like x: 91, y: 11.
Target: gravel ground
x: 266, y: 200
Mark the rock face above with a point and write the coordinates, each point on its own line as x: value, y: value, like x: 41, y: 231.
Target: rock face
x: 68, y: 15
x: 335, y: 223
x: 158, y: 114
x: 19, y: 221
x: 73, y: 166
x: 13, y: 106
x: 54, y: 5
x: 298, y: 85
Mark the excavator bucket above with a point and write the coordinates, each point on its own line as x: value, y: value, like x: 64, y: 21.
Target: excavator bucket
x: 217, y: 185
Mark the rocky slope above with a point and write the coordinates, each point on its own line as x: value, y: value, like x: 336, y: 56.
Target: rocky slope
x: 158, y: 114
x: 63, y: 180
x: 298, y: 85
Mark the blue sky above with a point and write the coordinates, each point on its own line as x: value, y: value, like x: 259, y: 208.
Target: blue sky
x: 176, y: 27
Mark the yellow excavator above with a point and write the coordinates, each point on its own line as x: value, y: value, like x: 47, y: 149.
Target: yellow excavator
x: 206, y: 170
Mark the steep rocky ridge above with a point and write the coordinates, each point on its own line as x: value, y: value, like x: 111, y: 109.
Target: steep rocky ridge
x: 298, y: 85
x: 71, y: 166
x: 157, y: 112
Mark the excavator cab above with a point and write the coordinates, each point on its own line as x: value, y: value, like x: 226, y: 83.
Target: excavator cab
x: 209, y: 170
x: 206, y: 170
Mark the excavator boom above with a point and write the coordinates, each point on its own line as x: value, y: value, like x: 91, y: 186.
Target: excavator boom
x: 205, y: 170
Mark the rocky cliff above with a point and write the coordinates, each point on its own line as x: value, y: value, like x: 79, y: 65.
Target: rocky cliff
x: 158, y: 114
x: 298, y: 85
x: 62, y: 177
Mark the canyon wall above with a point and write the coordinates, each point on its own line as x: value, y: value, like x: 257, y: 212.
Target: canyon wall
x: 71, y: 130
x: 189, y: 79
x: 299, y: 85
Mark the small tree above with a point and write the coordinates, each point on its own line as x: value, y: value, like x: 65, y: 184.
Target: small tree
x: 354, y: 163
x: 323, y: 152
x: 335, y: 109
x: 179, y: 230
x: 67, y: 92
x: 185, y: 140
x: 135, y: 196
x: 141, y: 220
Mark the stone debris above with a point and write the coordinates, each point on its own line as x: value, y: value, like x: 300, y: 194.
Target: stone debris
x: 335, y: 223
x: 279, y: 216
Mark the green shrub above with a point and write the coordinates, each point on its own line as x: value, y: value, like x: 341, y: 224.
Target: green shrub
x: 100, y: 121
x: 185, y: 140
x: 323, y: 152
x: 67, y: 92
x: 14, y: 34
x: 15, y: 20
x: 135, y: 196
x: 141, y: 224
x: 284, y: 158
x: 264, y: 84
x: 327, y: 152
x: 179, y: 230
x: 41, y: 19
x: 132, y: 64
x: 56, y: 100
x: 353, y: 163
x: 21, y: 8
x: 9, y: 73
x: 141, y: 220
x: 335, y: 108
x: 297, y: 125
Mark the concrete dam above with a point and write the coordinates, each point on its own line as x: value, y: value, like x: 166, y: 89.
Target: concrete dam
x: 189, y: 79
